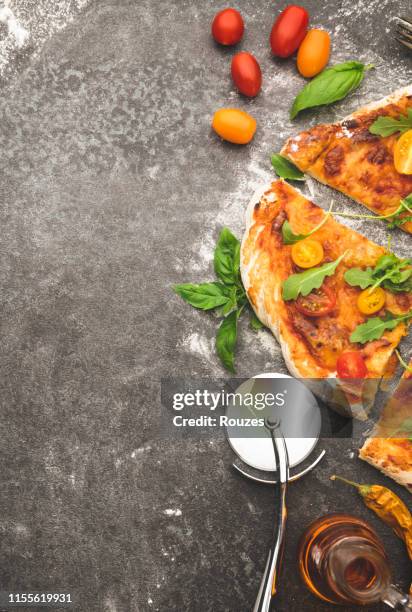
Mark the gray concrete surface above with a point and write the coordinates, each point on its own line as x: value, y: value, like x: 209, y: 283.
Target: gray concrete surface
x: 113, y: 187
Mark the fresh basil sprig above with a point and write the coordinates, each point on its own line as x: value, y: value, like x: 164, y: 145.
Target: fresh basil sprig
x: 289, y: 237
x: 390, y: 272
x: 286, y: 169
x: 227, y: 257
x: 386, y: 126
x: 305, y: 282
x: 375, y: 327
x: 228, y: 295
x: 329, y: 86
x: 205, y: 296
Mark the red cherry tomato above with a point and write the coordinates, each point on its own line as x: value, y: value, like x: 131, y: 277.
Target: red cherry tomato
x: 351, y: 365
x: 228, y: 27
x: 318, y: 303
x: 246, y: 74
x: 289, y: 30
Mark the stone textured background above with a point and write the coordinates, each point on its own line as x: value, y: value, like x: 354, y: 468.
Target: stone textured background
x: 113, y: 187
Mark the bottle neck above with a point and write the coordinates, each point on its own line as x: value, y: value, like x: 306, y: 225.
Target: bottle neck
x: 358, y: 570
x: 397, y: 600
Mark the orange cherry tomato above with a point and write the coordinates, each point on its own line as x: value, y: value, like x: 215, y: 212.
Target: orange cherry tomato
x: 289, y: 30
x: 313, y: 54
x: 371, y: 301
x: 402, y: 154
x: 228, y: 27
x: 246, y: 74
x: 307, y: 253
x: 234, y: 125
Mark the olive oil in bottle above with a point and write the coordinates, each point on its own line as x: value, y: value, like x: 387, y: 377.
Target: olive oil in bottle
x: 343, y: 561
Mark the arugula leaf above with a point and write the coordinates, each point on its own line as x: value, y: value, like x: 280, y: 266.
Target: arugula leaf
x: 394, y: 219
x: 305, y: 282
x: 405, y: 287
x: 356, y: 277
x: 286, y: 169
x: 393, y: 273
x: 403, y: 363
x: 227, y: 257
x: 255, y: 323
x: 290, y: 238
x: 205, y: 296
x: 329, y: 86
x: 226, y: 340
x: 386, y: 126
x: 375, y: 327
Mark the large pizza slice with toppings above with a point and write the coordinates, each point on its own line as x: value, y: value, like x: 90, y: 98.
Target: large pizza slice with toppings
x: 357, y: 155
x: 338, y: 303
x: 390, y: 447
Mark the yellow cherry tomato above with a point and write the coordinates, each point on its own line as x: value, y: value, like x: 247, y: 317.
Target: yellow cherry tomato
x: 313, y: 54
x: 307, y: 253
x: 402, y: 154
x: 371, y: 301
x: 234, y: 125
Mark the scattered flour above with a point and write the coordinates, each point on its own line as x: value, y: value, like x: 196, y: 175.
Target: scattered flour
x: 14, y: 27
x: 140, y: 451
x: 30, y: 23
x: 171, y: 512
x: 195, y: 343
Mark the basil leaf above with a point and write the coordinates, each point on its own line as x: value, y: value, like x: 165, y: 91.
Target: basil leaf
x: 286, y: 169
x: 329, y: 86
x: 226, y: 338
x: 204, y: 296
x: 305, y: 282
x: 375, y: 327
x: 255, y: 323
x: 386, y: 126
x: 227, y: 257
x: 356, y: 277
x: 231, y: 304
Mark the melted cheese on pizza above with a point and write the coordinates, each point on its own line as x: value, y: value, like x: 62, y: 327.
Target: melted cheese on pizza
x: 349, y: 158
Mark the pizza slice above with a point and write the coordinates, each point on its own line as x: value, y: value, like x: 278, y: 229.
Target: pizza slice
x: 315, y: 330
x: 349, y: 158
x: 389, y: 449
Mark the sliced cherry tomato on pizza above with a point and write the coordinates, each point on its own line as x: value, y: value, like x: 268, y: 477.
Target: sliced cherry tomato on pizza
x: 350, y: 364
x: 371, y: 301
x: 307, y: 253
x: 402, y: 153
x: 318, y: 303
